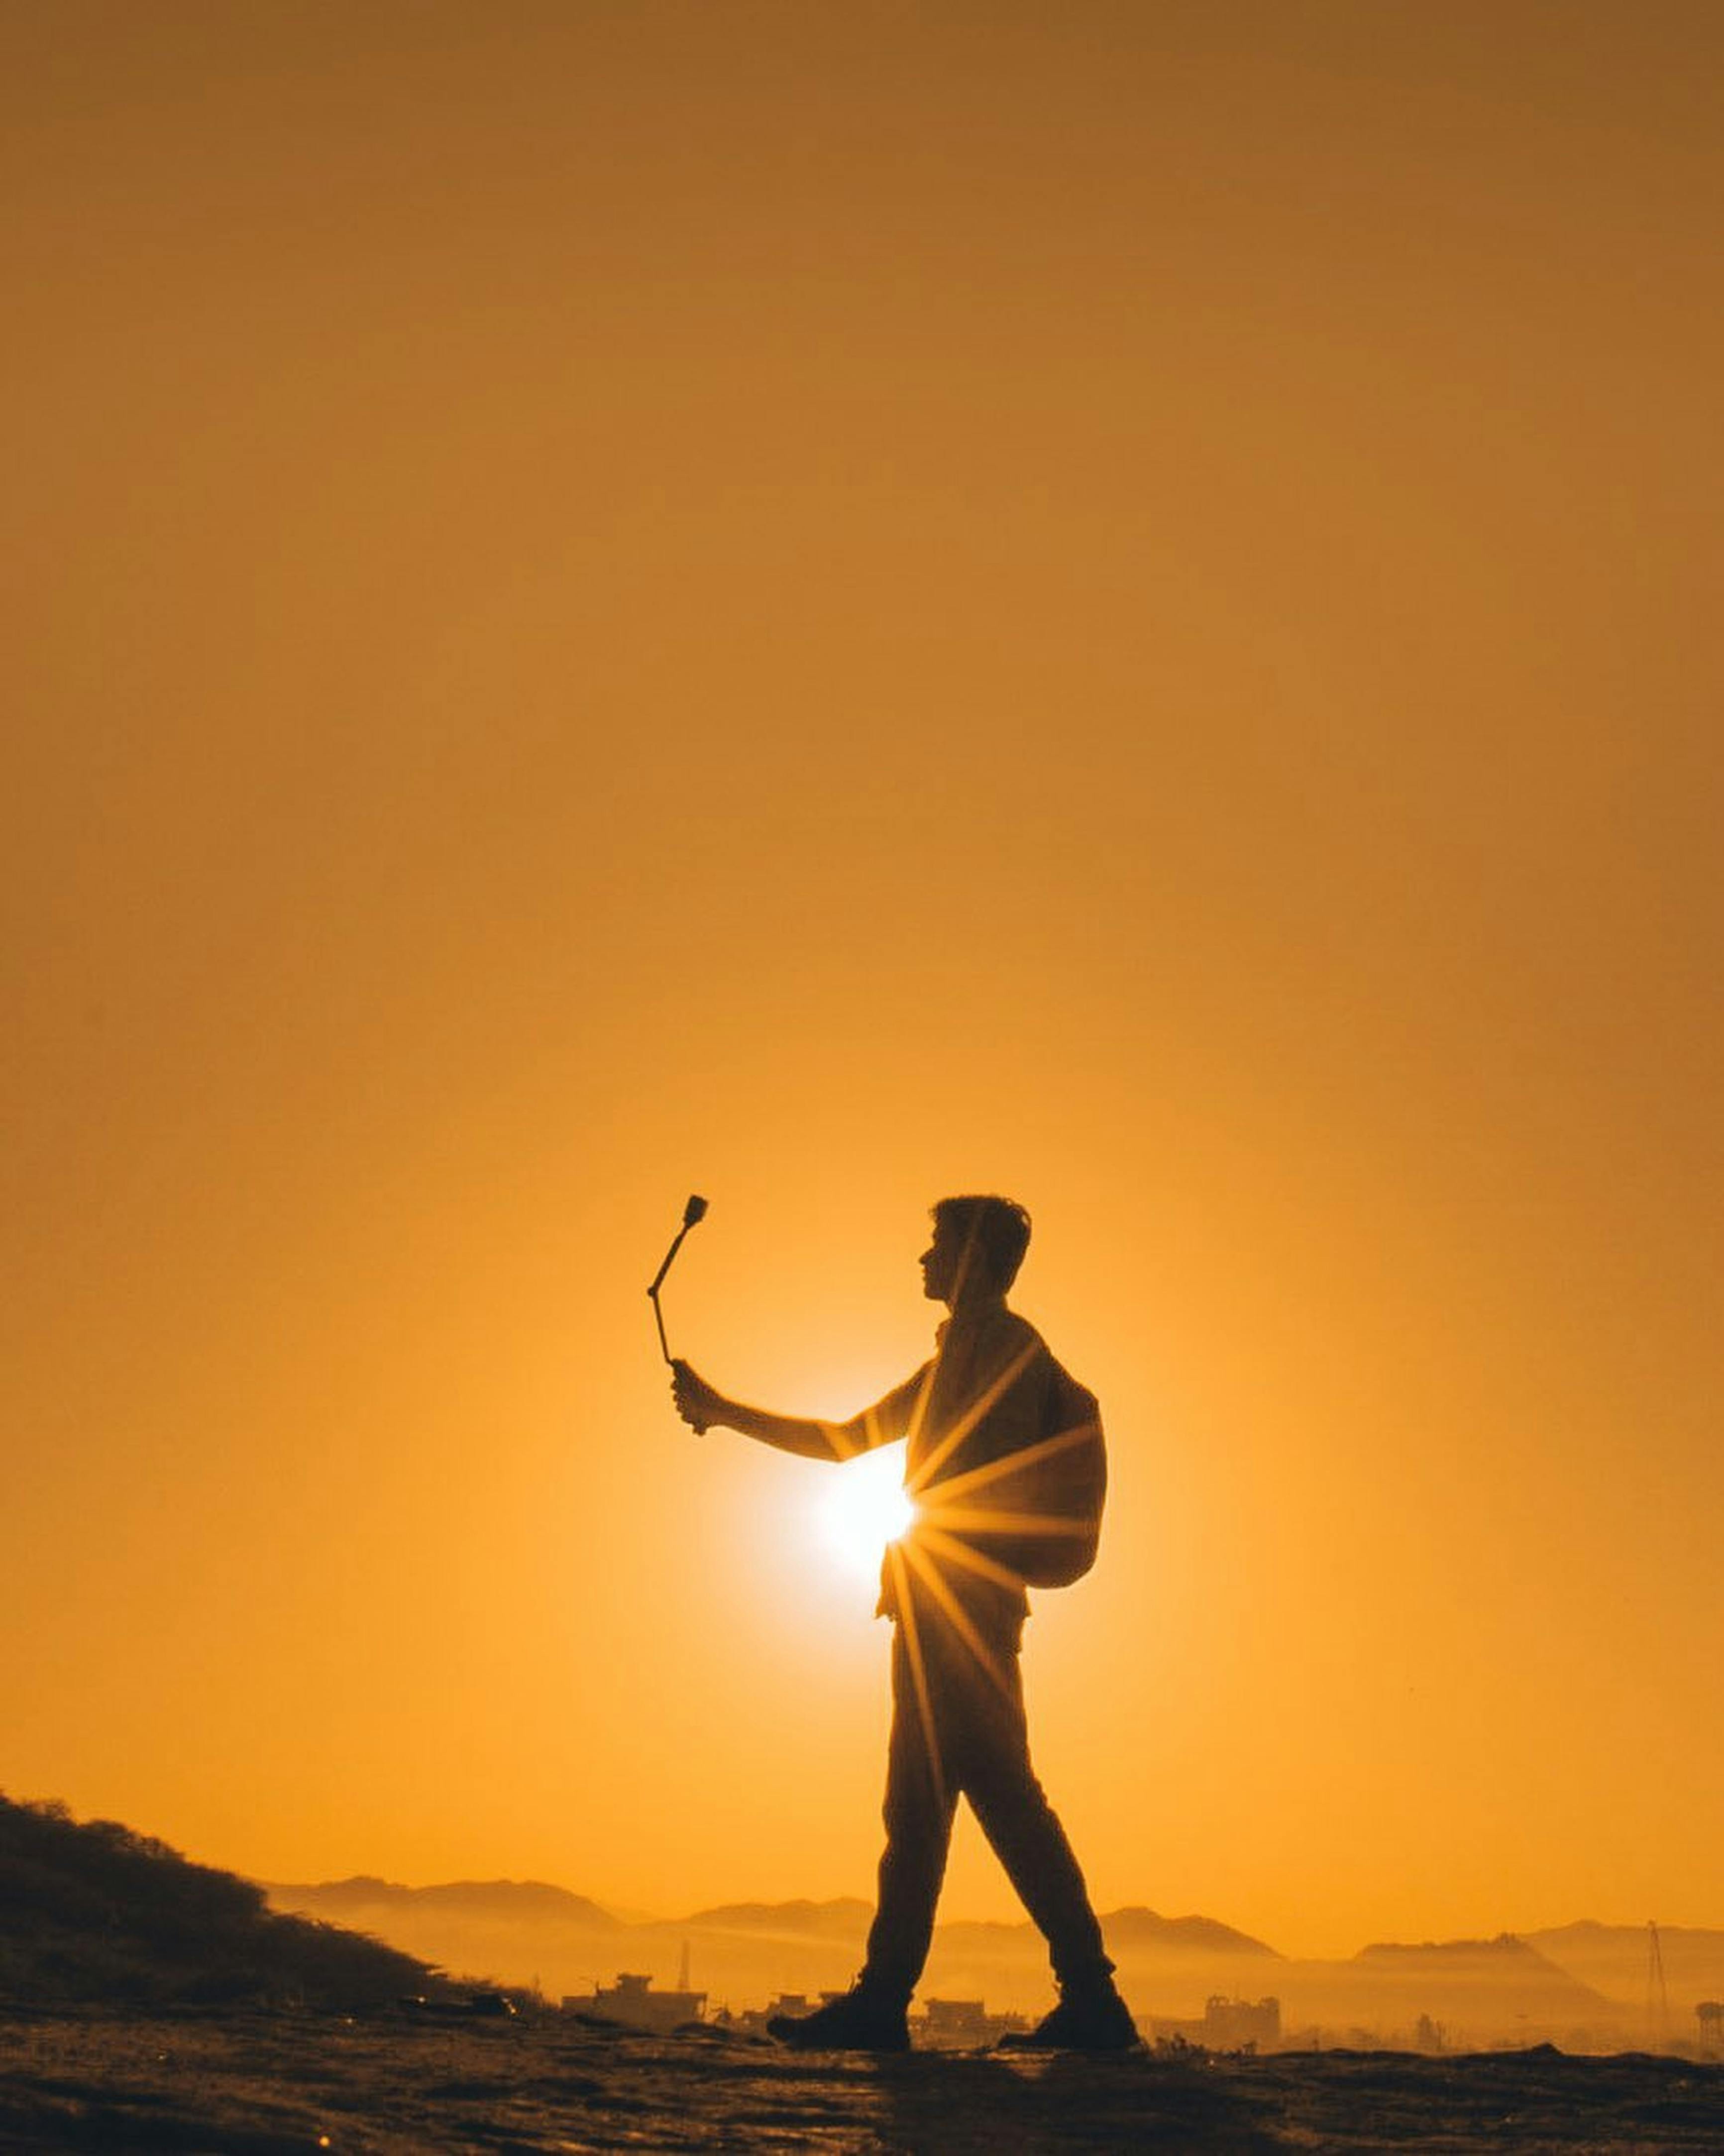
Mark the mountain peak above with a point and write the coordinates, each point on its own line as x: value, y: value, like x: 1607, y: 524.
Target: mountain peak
x: 842, y: 1917
x: 1506, y: 1947
x: 1136, y: 1925
x: 507, y: 1901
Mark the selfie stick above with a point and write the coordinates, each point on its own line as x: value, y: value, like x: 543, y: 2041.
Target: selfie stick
x: 693, y: 1212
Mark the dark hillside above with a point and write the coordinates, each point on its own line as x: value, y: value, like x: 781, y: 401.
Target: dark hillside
x: 97, y: 1912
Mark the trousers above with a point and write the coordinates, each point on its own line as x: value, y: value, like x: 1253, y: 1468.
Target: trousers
x: 959, y: 1728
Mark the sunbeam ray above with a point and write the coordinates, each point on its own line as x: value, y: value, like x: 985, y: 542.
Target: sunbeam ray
x: 958, y: 1618
x: 965, y: 1423
x: 989, y: 1520
x: 918, y: 1670
x: 972, y: 1560
x: 1013, y: 1463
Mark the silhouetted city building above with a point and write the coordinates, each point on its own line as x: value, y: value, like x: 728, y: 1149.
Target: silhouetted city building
x: 962, y: 2024
x: 632, y: 2000
x: 1228, y: 2025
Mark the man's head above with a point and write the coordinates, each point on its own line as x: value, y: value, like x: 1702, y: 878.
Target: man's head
x: 978, y: 1245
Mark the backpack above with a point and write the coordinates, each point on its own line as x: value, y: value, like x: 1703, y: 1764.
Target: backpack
x: 1059, y: 1484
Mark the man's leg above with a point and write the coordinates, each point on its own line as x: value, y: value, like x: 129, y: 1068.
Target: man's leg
x: 1025, y: 1834
x: 920, y: 1802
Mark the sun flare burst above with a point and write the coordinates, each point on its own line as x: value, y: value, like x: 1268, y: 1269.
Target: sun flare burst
x: 865, y: 1507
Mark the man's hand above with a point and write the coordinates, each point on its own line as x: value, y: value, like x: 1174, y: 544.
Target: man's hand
x: 697, y: 1402
x: 700, y: 1407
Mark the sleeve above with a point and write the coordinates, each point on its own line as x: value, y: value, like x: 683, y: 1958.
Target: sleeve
x: 887, y: 1420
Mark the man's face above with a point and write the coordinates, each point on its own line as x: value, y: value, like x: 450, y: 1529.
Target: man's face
x: 942, y: 1264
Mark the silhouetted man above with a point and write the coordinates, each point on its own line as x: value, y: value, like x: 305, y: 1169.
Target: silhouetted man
x: 953, y: 1587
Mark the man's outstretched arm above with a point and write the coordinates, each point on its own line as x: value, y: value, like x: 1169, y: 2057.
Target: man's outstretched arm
x: 703, y: 1407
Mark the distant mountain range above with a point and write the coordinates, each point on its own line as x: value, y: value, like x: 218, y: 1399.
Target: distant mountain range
x: 1580, y: 1949
x: 362, y: 1900
x: 1584, y: 1983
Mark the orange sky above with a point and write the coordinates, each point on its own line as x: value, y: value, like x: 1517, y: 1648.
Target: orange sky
x: 825, y: 604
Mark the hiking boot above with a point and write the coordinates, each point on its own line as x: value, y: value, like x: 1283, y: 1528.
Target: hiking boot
x: 852, y: 2023
x: 1092, y: 2022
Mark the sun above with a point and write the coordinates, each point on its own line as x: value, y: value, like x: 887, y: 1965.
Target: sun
x: 864, y: 1506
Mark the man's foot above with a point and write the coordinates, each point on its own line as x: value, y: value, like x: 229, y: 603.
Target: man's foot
x: 1096, y: 2021
x: 854, y: 2023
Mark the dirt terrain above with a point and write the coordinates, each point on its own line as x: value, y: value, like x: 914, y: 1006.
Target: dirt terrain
x: 244, y: 2082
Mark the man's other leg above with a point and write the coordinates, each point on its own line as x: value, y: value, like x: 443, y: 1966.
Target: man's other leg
x: 920, y: 1802
x: 919, y: 1807
x: 1025, y: 1834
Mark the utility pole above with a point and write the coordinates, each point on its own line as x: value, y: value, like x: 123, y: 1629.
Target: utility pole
x: 1658, y: 1998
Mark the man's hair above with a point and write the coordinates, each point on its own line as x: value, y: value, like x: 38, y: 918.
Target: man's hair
x: 997, y: 1229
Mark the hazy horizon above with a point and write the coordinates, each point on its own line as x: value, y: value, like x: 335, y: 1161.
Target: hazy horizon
x: 630, y: 1914
x: 824, y: 606
x: 862, y: 1895
x: 1584, y: 1985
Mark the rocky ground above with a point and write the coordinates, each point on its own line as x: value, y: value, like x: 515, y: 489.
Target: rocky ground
x: 252, y: 2083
